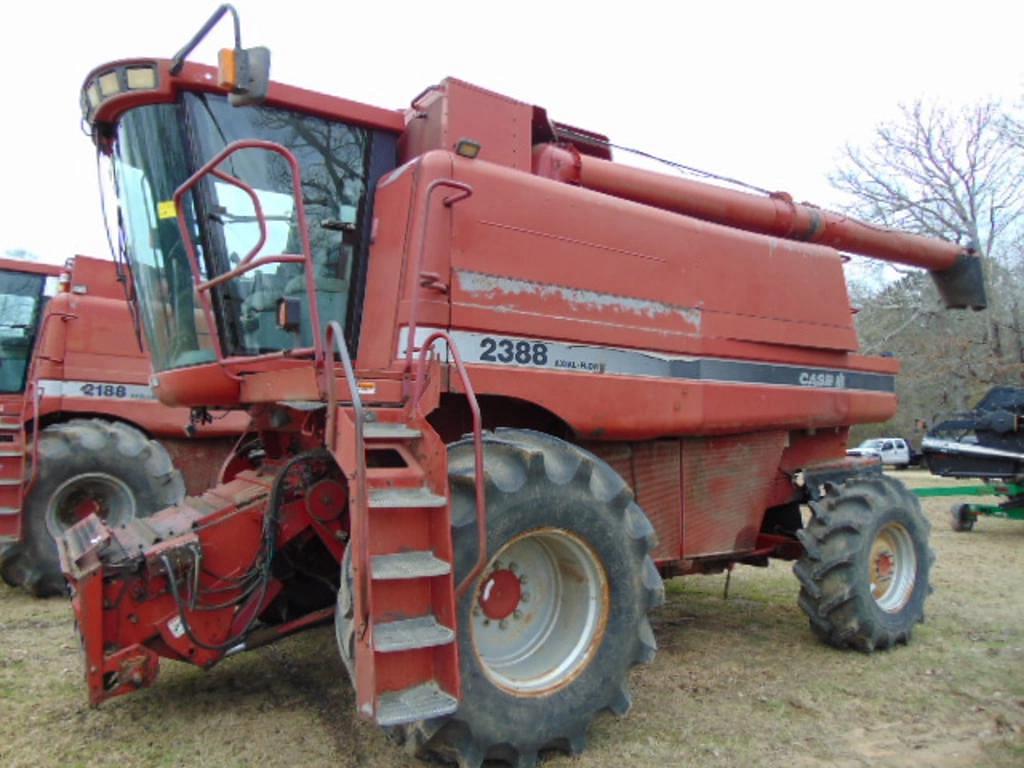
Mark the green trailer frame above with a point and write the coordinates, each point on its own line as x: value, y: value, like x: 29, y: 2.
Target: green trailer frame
x: 965, y: 515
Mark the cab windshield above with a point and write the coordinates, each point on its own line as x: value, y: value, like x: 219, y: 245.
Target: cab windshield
x: 157, y: 149
x: 21, y: 302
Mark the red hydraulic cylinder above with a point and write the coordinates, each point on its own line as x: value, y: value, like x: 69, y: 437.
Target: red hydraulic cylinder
x: 774, y: 214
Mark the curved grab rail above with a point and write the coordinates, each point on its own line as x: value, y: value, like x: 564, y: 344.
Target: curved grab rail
x: 35, y: 392
x: 464, y: 191
x: 37, y: 396
x: 250, y: 262
x: 334, y: 339
x: 419, y: 388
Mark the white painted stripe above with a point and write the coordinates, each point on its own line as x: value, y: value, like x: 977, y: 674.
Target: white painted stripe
x: 530, y: 352
x: 100, y: 390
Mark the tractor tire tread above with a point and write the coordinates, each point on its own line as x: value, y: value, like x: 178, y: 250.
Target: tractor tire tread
x: 834, y: 593
x: 514, y: 459
x: 32, y: 563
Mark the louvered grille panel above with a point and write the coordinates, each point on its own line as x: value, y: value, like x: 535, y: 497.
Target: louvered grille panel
x: 653, y: 471
x: 726, y: 482
x: 656, y: 466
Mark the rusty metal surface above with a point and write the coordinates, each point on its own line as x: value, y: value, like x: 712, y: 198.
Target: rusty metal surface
x: 654, y: 471
x: 726, y: 481
x: 200, y: 461
x: 657, y: 468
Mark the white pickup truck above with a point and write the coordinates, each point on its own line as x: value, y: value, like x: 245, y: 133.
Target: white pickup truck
x: 893, y: 451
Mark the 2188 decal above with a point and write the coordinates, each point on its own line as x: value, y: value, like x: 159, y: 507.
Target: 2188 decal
x: 104, y: 390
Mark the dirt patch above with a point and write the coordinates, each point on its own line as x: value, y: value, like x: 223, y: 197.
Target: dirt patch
x: 740, y: 681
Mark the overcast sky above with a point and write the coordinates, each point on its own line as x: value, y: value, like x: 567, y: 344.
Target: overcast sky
x: 765, y: 91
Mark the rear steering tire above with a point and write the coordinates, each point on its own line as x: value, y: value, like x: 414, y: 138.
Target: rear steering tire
x: 86, y: 466
x: 864, y: 576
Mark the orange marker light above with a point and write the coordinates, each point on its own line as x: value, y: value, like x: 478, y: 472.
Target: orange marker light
x: 227, y: 68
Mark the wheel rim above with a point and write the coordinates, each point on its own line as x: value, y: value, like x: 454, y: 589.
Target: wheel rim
x: 893, y: 567
x: 539, y: 611
x: 91, y: 493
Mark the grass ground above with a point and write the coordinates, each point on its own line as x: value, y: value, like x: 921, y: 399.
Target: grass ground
x: 737, y: 682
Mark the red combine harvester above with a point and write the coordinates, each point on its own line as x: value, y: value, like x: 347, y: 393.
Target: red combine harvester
x: 503, y: 382
x: 80, y: 429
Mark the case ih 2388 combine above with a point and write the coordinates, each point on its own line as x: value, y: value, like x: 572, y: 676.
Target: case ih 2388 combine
x: 654, y: 375
x: 80, y: 429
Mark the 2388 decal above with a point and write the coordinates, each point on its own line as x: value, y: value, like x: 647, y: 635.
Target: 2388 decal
x: 511, y: 351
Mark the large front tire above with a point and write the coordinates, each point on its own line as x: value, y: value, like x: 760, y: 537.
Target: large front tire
x: 86, y: 466
x: 864, y: 576
x: 565, y: 533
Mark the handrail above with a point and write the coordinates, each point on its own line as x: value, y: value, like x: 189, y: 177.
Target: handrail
x: 334, y: 338
x: 250, y: 262
x: 32, y: 384
x: 465, y: 190
x: 419, y: 387
x: 37, y: 395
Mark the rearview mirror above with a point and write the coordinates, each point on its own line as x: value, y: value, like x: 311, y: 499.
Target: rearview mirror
x: 246, y: 71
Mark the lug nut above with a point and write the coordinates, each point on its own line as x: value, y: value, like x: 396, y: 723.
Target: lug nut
x: 525, y: 597
x: 523, y: 579
x: 513, y: 567
x: 487, y: 622
x: 503, y: 624
x: 517, y: 615
x: 476, y: 610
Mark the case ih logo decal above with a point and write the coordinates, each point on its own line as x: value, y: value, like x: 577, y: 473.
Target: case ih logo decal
x: 492, y: 349
x: 820, y: 379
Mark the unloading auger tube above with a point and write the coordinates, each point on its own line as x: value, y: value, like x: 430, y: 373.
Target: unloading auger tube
x: 955, y: 269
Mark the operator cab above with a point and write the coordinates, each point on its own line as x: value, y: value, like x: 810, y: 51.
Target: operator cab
x: 24, y: 289
x: 159, y: 136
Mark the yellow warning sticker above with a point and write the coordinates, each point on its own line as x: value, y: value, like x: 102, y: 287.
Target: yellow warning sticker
x: 166, y: 209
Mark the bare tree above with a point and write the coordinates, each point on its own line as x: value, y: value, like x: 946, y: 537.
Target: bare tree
x: 957, y: 175
x: 949, y: 174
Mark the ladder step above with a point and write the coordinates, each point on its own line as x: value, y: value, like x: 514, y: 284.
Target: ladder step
x: 408, y: 565
x: 16, y: 481
x: 11, y: 454
x: 389, y: 430
x: 407, y: 634
x: 7, y: 511
x: 421, y: 702
x: 8, y: 427
x: 398, y: 498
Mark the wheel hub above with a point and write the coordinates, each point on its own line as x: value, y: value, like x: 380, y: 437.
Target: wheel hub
x: 540, y: 612
x: 96, y: 493
x: 893, y: 568
x: 86, y: 507
x: 500, y: 594
x: 885, y: 565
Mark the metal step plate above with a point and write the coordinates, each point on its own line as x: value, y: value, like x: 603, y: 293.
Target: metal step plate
x: 405, y: 635
x: 421, y: 702
x: 408, y: 565
x: 386, y: 430
x: 400, y: 498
